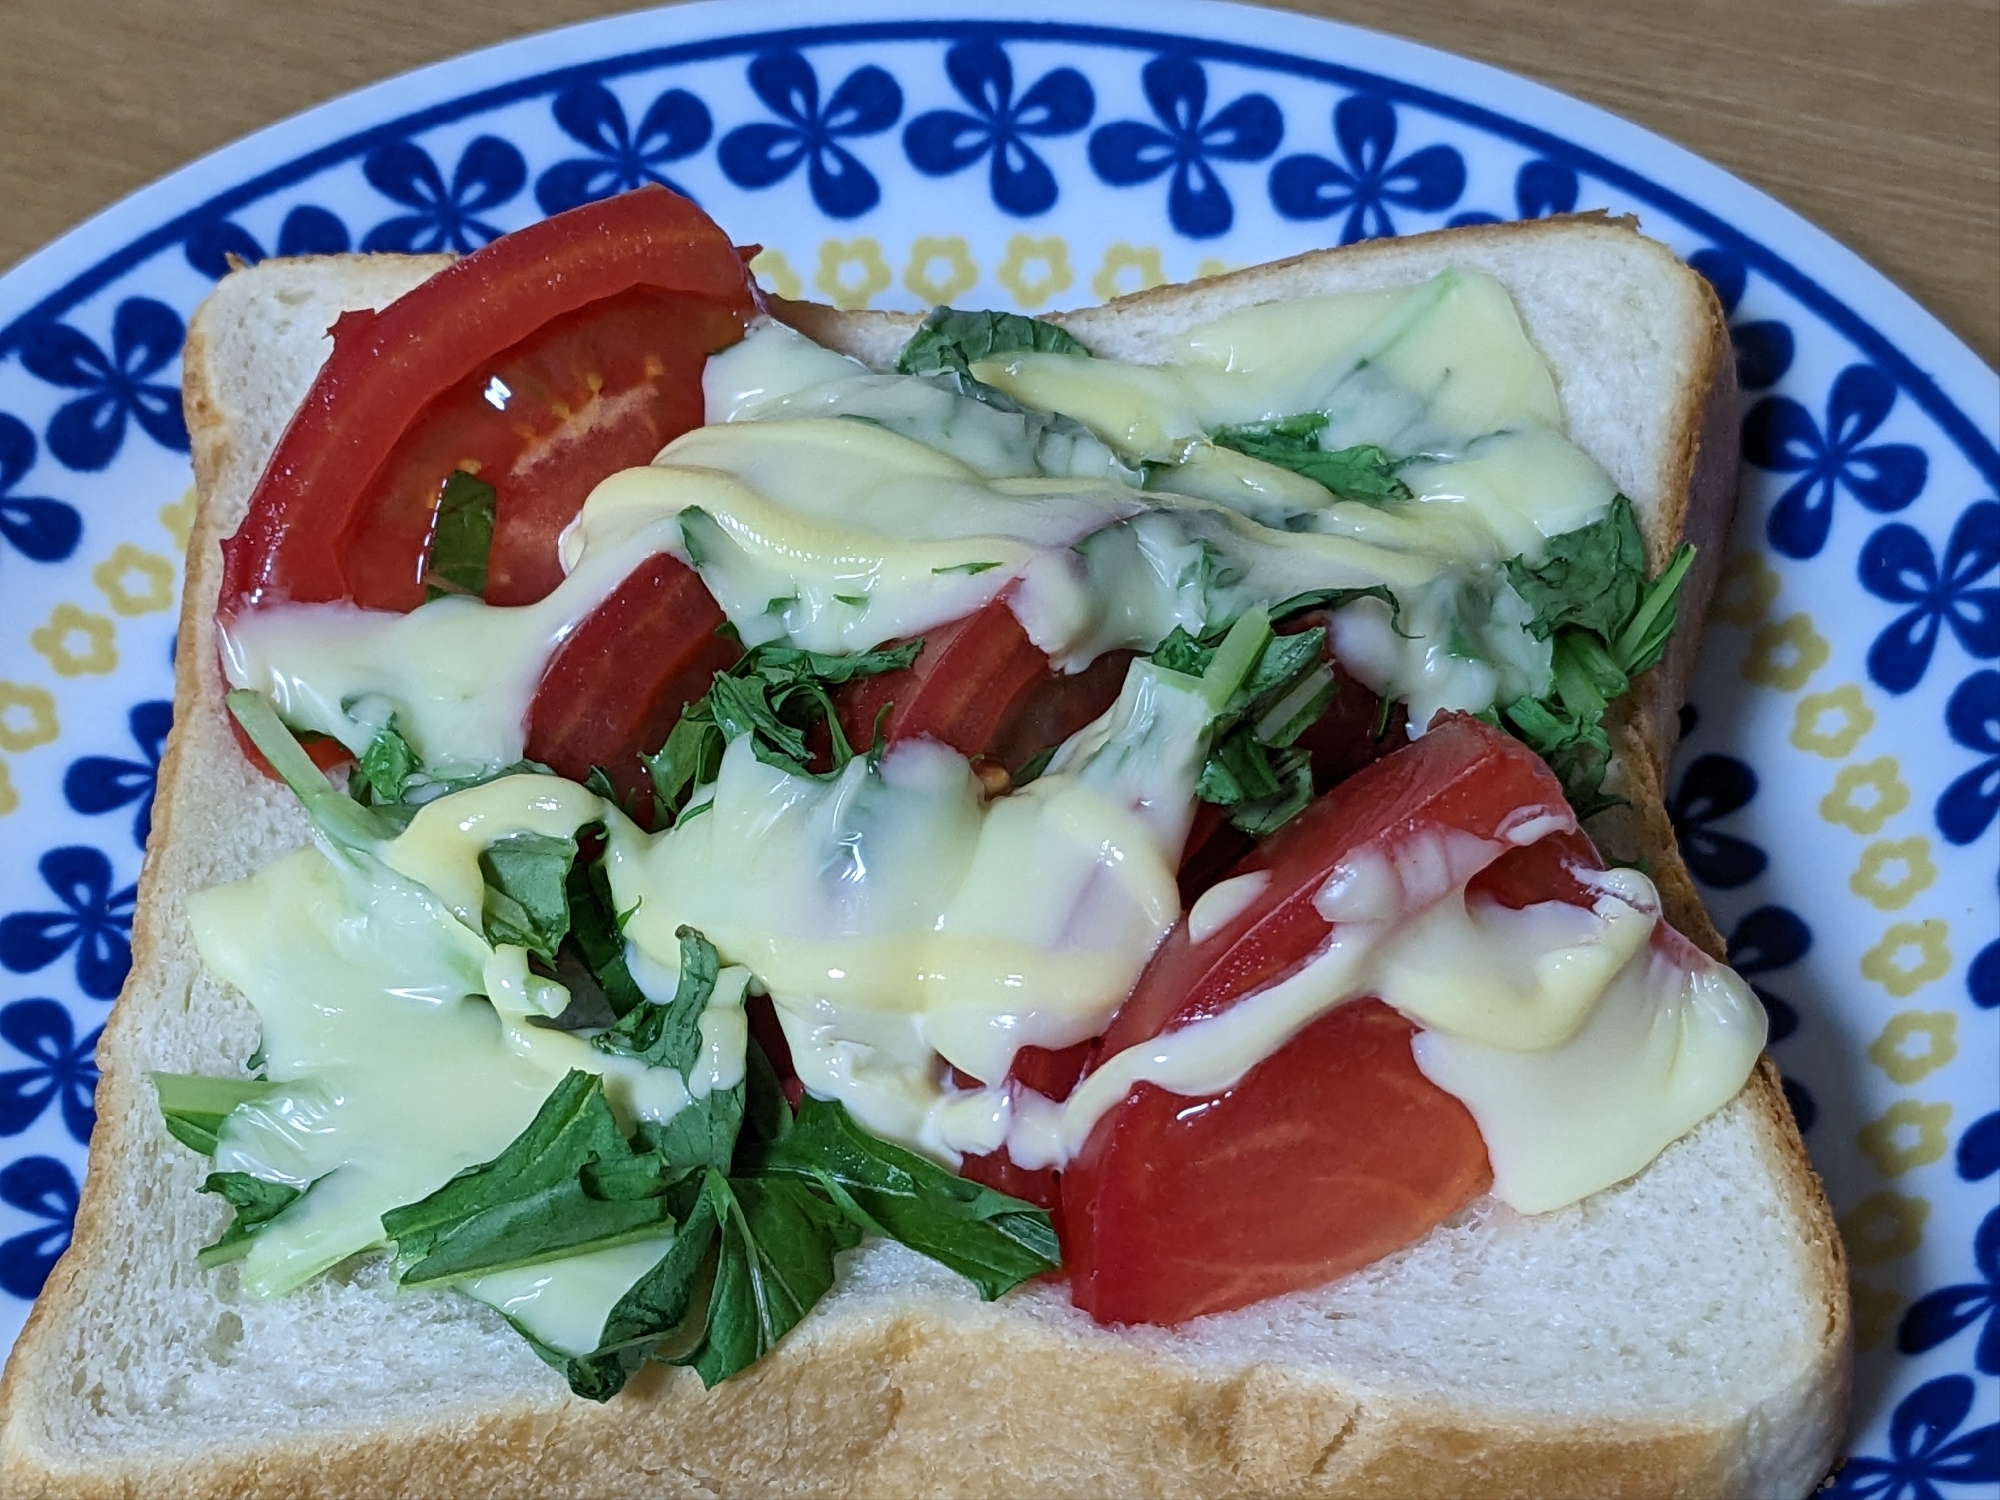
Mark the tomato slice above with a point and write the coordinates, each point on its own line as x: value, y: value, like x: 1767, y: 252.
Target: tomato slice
x: 1335, y: 1150
x: 617, y: 686
x: 544, y: 362
x: 1328, y: 1155
x: 545, y: 305
x: 600, y: 389
x: 1053, y: 1075
x: 982, y: 687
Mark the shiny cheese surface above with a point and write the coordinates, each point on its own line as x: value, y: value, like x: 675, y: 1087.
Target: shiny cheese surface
x: 886, y: 912
x: 405, y: 1044
x: 1580, y: 1050
x: 838, y: 508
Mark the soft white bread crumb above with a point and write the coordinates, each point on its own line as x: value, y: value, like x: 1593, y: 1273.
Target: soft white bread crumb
x: 1684, y: 1333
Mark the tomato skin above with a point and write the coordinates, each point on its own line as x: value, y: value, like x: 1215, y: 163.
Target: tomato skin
x: 600, y: 389
x: 982, y: 687
x: 1328, y: 1155
x: 616, y: 687
x: 1334, y: 1150
x: 387, y: 367
x: 1461, y: 775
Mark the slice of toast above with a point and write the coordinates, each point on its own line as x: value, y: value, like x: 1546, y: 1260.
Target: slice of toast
x: 1684, y: 1333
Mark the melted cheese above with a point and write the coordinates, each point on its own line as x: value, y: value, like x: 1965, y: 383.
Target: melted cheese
x: 564, y: 1303
x: 838, y: 508
x: 885, y: 912
x: 368, y: 976
x: 1579, y: 1049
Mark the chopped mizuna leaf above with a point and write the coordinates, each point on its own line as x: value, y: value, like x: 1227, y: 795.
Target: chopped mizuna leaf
x: 1363, y: 472
x: 968, y: 568
x: 384, y: 767
x: 1608, y: 624
x: 1591, y: 577
x: 596, y: 940
x: 195, y: 1107
x: 256, y: 1202
x: 776, y: 695
x: 1254, y: 769
x: 669, y: 1036
x: 461, y: 537
x: 951, y: 340
x: 995, y: 1241
x: 527, y: 891
x: 776, y: 1248
x: 853, y: 601
x: 530, y: 1203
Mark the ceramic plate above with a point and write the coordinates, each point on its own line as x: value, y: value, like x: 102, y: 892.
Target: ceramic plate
x: 1839, y: 783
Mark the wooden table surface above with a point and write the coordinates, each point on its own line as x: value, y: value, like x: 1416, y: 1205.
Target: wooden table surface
x: 1878, y: 121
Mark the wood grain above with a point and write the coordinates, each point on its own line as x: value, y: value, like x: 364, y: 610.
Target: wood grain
x: 1879, y: 122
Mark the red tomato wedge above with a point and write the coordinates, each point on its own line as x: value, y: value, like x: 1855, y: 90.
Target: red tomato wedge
x: 617, y: 686
x: 1335, y: 1150
x: 566, y: 307
x: 544, y: 362
x: 983, y: 688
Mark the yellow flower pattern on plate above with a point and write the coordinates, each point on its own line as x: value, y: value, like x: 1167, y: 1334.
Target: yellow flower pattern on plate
x: 1745, y: 590
x: 960, y: 274
x: 1211, y: 265
x: 1875, y: 1312
x: 1908, y: 1135
x: 1934, y: 1031
x: 1784, y: 655
x: 135, y: 582
x: 1884, y: 1226
x: 1832, y: 724
x: 9, y: 798
x: 1142, y: 261
x: 1893, y: 871
x: 1910, y: 956
x: 1866, y: 796
x: 1035, y: 269
x: 851, y: 272
x: 76, y: 643
x: 178, y: 518
x: 27, y: 716
x: 775, y: 272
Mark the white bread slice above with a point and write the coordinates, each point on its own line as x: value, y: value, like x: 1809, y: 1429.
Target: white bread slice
x: 1685, y: 1333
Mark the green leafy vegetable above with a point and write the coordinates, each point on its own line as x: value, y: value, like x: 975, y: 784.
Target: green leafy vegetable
x: 777, y: 694
x: 530, y: 1203
x: 775, y: 1261
x: 949, y: 339
x: 663, y: 1315
x: 968, y: 568
x: 1363, y: 472
x: 1608, y: 624
x: 256, y: 1202
x: 995, y: 1241
x: 527, y: 891
x: 461, y: 537
x: 1254, y: 768
x: 384, y: 768
x: 669, y: 1036
x: 596, y: 941
x: 194, y: 1107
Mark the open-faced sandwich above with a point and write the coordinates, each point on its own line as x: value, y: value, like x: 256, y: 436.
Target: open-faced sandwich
x: 748, y: 899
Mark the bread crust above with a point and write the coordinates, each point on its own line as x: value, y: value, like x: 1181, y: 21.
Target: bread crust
x: 908, y: 1403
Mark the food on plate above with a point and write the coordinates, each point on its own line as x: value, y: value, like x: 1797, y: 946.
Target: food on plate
x: 756, y: 898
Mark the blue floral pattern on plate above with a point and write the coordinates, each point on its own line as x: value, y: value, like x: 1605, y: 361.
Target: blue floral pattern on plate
x: 1837, y: 799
